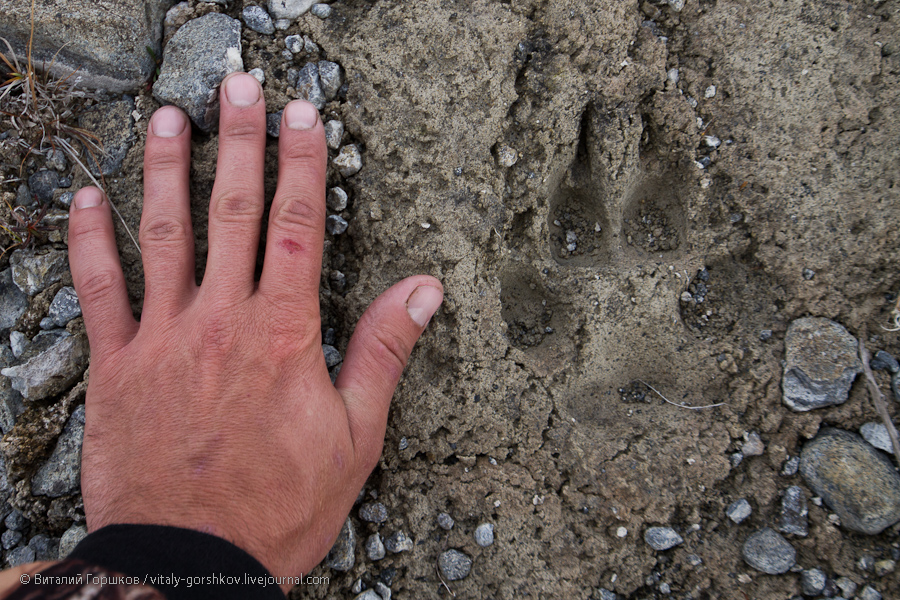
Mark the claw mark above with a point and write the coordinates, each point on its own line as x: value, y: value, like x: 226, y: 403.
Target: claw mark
x: 291, y: 246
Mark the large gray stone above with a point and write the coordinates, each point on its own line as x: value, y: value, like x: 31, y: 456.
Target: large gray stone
x: 341, y: 557
x: 105, y: 42
x: 70, y: 539
x: 821, y: 362
x: 13, y: 301
x: 64, y: 307
x: 113, y: 125
x: 61, y: 474
x: 51, y: 371
x: 858, y: 482
x: 197, y: 58
x: 33, y: 270
x: 454, y: 565
x: 768, y: 552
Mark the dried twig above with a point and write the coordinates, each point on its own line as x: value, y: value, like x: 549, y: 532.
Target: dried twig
x: 878, y: 398
x: 675, y: 403
x: 444, y: 583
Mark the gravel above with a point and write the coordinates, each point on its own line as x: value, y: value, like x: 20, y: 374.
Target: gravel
x: 20, y: 556
x: 382, y: 590
x: 484, y: 535
x: 330, y: 78
x: 373, y: 512
x: 348, y: 160
x: 33, y: 271
x: 196, y: 60
x: 334, y: 131
x: 812, y: 582
x: 794, y: 512
x: 332, y: 356
x: 323, y: 11
x: 294, y: 43
x: 13, y: 301
x: 398, y: 542
x: 374, y: 547
x: 64, y: 307
x: 821, y: 363
x: 336, y: 199
x: 16, y: 521
x: 847, y: 586
x: 10, y: 539
x: 71, y: 538
x: 739, y: 510
x: 883, y: 361
x: 289, y: 9
x: 336, y: 225
x: 445, y: 521
x: 507, y: 156
x: 258, y: 20
x: 113, y: 124
x: 662, y: 538
x: 368, y: 595
x: 877, y: 435
x: 309, y: 86
x: 258, y: 74
x: 61, y: 474
x: 341, y: 556
x: 454, y: 565
x: 869, y: 593
x: 273, y: 124
x: 42, y: 184
x: 791, y: 466
x: 768, y: 552
x: 52, y: 371
x: 45, y: 547
x: 857, y: 481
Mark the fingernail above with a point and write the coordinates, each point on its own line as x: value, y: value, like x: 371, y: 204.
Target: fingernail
x: 423, y: 302
x: 300, y: 114
x: 87, y: 198
x: 242, y: 90
x: 168, y: 122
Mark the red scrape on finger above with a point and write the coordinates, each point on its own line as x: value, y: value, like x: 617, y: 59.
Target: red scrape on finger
x: 291, y: 246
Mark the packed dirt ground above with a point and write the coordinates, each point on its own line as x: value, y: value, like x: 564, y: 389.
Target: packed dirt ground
x: 569, y: 170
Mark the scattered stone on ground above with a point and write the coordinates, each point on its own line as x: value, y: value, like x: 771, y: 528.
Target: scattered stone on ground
x: 791, y: 466
x: 753, y: 445
x: 373, y: 512
x: 45, y: 547
x: 332, y: 356
x: 858, y: 482
x: 258, y: 20
x: 454, y: 565
x: 289, y: 9
x: 349, y: 160
x: 847, y: 586
x: 113, y: 125
x: 330, y: 77
x: 35, y: 270
x: 341, y: 557
x: 13, y: 301
x: 52, y: 371
x: 42, y: 184
x: 821, y: 362
x: 64, y: 307
x: 273, y: 124
x: 334, y: 131
x: 662, y: 538
x: 812, y: 582
x: 884, y: 361
x: 323, y: 11
x: 738, y: 510
x: 61, y: 474
x: 374, y: 547
x: 507, y: 156
x: 336, y: 225
x: 368, y: 595
x: 309, y: 86
x: 20, y: 556
x: 445, y: 521
x: 398, y: 542
x: 71, y: 538
x: 484, y: 535
x: 197, y: 58
x: 336, y: 199
x: 768, y: 552
x: 869, y: 593
x: 877, y: 434
x: 794, y: 512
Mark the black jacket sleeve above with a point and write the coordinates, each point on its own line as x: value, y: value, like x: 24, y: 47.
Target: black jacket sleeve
x: 181, y: 563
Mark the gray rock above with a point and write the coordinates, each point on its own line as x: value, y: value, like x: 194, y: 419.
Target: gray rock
x: 341, y: 557
x: 882, y: 361
x: 445, y: 521
x: 309, y: 46
x: 454, y: 565
x: 42, y: 184
x: 45, y: 547
x: 16, y: 520
x: 662, y: 538
x: 337, y: 199
x: 56, y: 160
x: 895, y: 386
x: 859, y: 483
x: 273, y: 124
x: 821, y: 363
x: 104, y: 43
x: 197, y: 59
x: 357, y: 586
x: 606, y: 594
x: 349, y: 160
x: 373, y: 512
x: 794, y: 512
x: 866, y: 563
x: 13, y: 302
x: 382, y: 590
x: 64, y: 307
x: 33, y: 270
x: 282, y: 24
x: 17, y: 344
x: 294, y: 43
x: 309, y: 87
x: 11, y: 406
x: 258, y: 74
x: 368, y: 595
x: 768, y: 552
x: 877, y: 435
x: 334, y: 131
x: 812, y: 582
x: 484, y: 535
x: 398, y: 542
x: 738, y: 510
x: 332, y: 358
x: 323, y: 11
x: 753, y: 445
x: 65, y: 199
x: 258, y: 20
x: 884, y: 567
x: 791, y: 466
x: 336, y: 224
x: 374, y: 547
x: 289, y: 9
x: 847, y: 586
x: 10, y: 539
x: 869, y: 593
x: 330, y: 78
x: 70, y: 539
x: 61, y: 474
x: 507, y: 156
x: 113, y: 125
x: 20, y: 556
x: 51, y: 371
x: 42, y: 342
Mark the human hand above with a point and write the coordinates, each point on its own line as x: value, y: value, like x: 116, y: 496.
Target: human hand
x: 216, y: 411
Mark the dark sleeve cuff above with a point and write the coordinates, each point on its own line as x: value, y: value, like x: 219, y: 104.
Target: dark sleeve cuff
x: 181, y: 563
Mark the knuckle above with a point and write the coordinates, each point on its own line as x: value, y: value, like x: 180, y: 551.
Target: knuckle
x: 237, y: 204
x: 298, y: 213
x: 83, y: 232
x: 163, y: 230
x: 97, y: 286
x: 163, y: 159
x: 390, y: 351
x: 304, y: 152
x: 218, y: 337
x: 246, y: 127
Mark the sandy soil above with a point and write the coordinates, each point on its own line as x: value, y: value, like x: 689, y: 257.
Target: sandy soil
x: 526, y: 403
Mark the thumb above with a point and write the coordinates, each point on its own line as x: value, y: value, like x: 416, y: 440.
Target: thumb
x: 377, y: 355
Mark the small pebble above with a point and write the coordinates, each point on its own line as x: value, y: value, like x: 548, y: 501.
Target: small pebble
x: 673, y: 75
x: 309, y: 46
x: 847, y: 586
x: 794, y: 512
x: 66, y: 198
x: 883, y: 361
x: 753, y: 445
x: 808, y: 274
x: 273, y: 124
x: 398, y: 542
x: 736, y: 459
x: 64, y: 307
x: 869, y: 593
x: 403, y: 445
x: 484, y: 535
x: 357, y: 586
x: 349, y: 160
x: 768, y: 552
x: 383, y: 591
x: 812, y: 582
x: 765, y: 335
x: 739, y: 510
x: 323, y: 11
x: 621, y: 532
x: 368, y: 595
x: 17, y: 343
x: 454, y: 565
x: 258, y: 20
x: 884, y: 567
x: 330, y: 77
x: 374, y: 547
x: 336, y: 225
x: 336, y: 199
x: 606, y: 594
x: 695, y: 560
x: 282, y: 24
x: 662, y: 538
x: 294, y: 43
x: 866, y: 563
x: 332, y: 356
x: 791, y: 466
x: 373, y: 512
x: 445, y: 521
x: 10, y: 539
x: 334, y: 131
x: 309, y: 86
x: 877, y: 435
x: 710, y: 92
x: 259, y: 75
x: 507, y: 156
x: 16, y: 520
x: 24, y: 555
x: 664, y: 588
